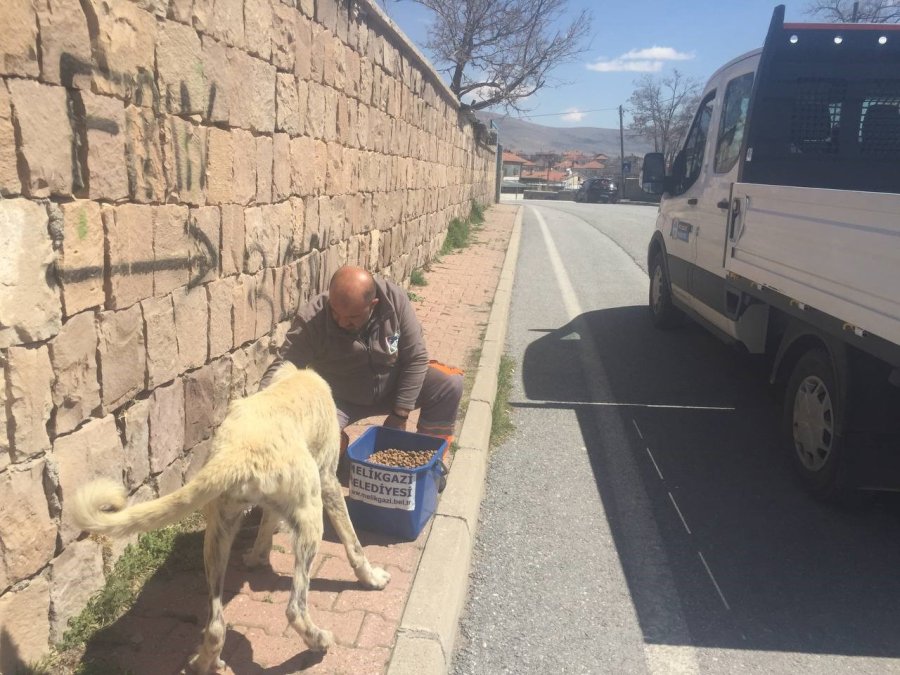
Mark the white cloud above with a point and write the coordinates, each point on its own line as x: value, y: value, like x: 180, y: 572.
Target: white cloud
x: 573, y: 115
x: 647, y: 60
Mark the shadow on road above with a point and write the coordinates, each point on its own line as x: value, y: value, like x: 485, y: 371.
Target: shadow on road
x: 785, y: 572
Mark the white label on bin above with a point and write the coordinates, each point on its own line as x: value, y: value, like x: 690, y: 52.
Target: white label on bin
x: 382, y: 487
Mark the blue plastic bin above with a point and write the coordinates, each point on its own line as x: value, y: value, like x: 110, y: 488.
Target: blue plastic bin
x: 392, y: 500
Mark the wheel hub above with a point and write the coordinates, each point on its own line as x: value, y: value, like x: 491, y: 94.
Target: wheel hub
x: 813, y: 423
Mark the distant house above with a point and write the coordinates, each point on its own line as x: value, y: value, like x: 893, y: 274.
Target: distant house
x: 512, y: 165
x: 591, y: 169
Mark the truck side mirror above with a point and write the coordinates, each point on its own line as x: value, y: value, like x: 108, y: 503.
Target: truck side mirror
x: 653, y: 173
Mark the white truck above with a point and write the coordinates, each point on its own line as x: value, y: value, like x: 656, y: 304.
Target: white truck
x: 779, y: 230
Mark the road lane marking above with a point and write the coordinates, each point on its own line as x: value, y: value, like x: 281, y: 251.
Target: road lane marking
x: 655, y: 465
x: 616, y: 404
x: 715, y: 583
x: 638, y: 429
x: 683, y: 521
x: 570, y: 299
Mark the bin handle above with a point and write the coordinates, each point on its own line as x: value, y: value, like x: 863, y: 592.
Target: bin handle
x: 442, y: 471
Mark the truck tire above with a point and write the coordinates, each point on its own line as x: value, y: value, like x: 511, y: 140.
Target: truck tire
x: 813, y: 423
x: 663, y: 313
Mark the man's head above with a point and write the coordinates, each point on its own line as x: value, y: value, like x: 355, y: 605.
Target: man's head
x: 351, y: 298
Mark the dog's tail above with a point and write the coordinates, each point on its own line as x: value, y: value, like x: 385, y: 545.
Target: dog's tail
x: 100, y: 506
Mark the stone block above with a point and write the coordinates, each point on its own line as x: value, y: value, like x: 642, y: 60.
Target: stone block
x: 185, y: 163
x: 244, y: 309
x: 166, y: 425
x: 307, y: 7
x: 221, y: 331
x: 9, y: 172
x: 303, y: 166
x: 171, y: 248
x: 281, y: 221
x: 171, y: 478
x: 244, y: 180
x: 129, y: 240
x: 335, y: 183
x: 180, y: 63
x: 233, y: 246
x: 191, y: 326
x: 206, y: 393
x: 81, y: 262
x: 223, y: 19
x: 126, y: 36
x: 30, y: 400
x: 196, y: 459
x: 238, y: 359
x: 262, y: 239
x: 216, y: 72
x: 144, y: 155
x: 251, y: 105
x: 5, y: 444
x: 106, y: 159
x: 264, y: 158
x: 75, y: 575
x: 30, y: 309
x: 205, y: 229
x: 162, y: 343
x: 311, y: 236
x: 259, y: 17
x: 303, y: 49
x: 265, y: 302
x: 297, y: 245
x: 320, y: 166
x: 19, y: 39
x: 27, y: 532
x: 135, y: 420
x: 94, y: 451
x: 24, y: 615
x: 259, y: 356
x: 315, y: 110
x: 40, y: 114
x: 289, y: 117
x: 76, y: 389
x: 284, y: 41
x: 123, y: 356
x: 220, y: 167
x: 281, y: 167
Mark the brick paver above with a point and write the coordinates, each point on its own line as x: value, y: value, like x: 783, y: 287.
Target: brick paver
x: 159, y: 634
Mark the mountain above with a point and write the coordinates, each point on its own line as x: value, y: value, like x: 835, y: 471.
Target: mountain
x: 527, y: 137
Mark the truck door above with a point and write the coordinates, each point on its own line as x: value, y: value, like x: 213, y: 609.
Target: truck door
x: 685, y: 208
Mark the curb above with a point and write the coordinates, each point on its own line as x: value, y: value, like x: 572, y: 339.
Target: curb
x: 427, y: 631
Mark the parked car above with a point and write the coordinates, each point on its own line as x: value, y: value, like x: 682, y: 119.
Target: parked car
x: 598, y: 190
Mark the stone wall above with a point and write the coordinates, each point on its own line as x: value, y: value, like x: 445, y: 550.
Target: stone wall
x: 176, y: 176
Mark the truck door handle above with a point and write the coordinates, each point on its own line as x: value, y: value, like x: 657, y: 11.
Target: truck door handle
x: 692, y: 201
x: 723, y: 204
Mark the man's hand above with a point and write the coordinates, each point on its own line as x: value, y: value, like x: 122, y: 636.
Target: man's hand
x: 397, y: 419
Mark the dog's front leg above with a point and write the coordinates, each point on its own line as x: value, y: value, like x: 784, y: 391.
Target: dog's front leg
x: 262, y: 547
x: 222, y: 521
x: 336, y: 508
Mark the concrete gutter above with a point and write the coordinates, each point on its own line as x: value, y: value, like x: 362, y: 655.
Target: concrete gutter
x: 427, y: 631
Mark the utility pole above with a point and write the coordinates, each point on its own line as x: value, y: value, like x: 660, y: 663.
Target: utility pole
x: 621, y: 156
x: 855, y: 17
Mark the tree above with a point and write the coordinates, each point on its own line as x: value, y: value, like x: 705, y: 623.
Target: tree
x: 662, y: 109
x: 850, y: 11
x: 500, y: 52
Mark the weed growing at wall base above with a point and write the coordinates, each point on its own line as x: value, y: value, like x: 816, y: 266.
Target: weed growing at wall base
x: 501, y: 424
x: 417, y: 278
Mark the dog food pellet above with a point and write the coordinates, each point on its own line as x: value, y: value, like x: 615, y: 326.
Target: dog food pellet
x: 404, y: 459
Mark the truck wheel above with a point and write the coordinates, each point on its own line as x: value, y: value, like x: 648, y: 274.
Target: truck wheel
x: 813, y: 419
x: 663, y: 313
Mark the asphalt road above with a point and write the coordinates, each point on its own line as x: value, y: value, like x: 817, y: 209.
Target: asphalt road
x: 641, y: 518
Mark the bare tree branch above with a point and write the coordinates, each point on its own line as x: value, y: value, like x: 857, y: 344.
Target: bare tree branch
x: 867, y: 11
x: 500, y: 52
x: 661, y: 110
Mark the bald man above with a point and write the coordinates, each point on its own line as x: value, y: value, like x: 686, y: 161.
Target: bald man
x: 364, y: 338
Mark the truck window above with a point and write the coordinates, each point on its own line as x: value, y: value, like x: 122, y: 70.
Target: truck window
x: 695, y: 144
x: 731, y: 128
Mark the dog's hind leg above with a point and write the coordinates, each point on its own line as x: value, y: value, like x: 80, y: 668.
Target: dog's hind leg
x: 262, y: 547
x: 336, y: 508
x: 223, y: 516
x: 306, y: 524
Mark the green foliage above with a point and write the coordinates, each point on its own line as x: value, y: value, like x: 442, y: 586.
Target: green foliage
x: 458, y: 232
x: 501, y: 424
x: 417, y: 278
x: 413, y: 296
x: 476, y: 213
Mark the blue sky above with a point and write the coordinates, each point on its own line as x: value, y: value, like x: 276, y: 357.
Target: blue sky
x: 628, y: 39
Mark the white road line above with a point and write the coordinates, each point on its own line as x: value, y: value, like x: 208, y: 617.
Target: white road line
x: 638, y: 429
x: 683, y: 521
x: 570, y: 299
x: 655, y: 465
x: 713, y: 579
x: 615, y: 404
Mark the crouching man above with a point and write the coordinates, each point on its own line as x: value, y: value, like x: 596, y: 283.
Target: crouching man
x: 363, y: 337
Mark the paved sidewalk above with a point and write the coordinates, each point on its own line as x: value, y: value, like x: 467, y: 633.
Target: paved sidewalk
x: 159, y: 634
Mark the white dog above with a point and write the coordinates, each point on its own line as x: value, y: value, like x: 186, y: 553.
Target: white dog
x: 277, y: 448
